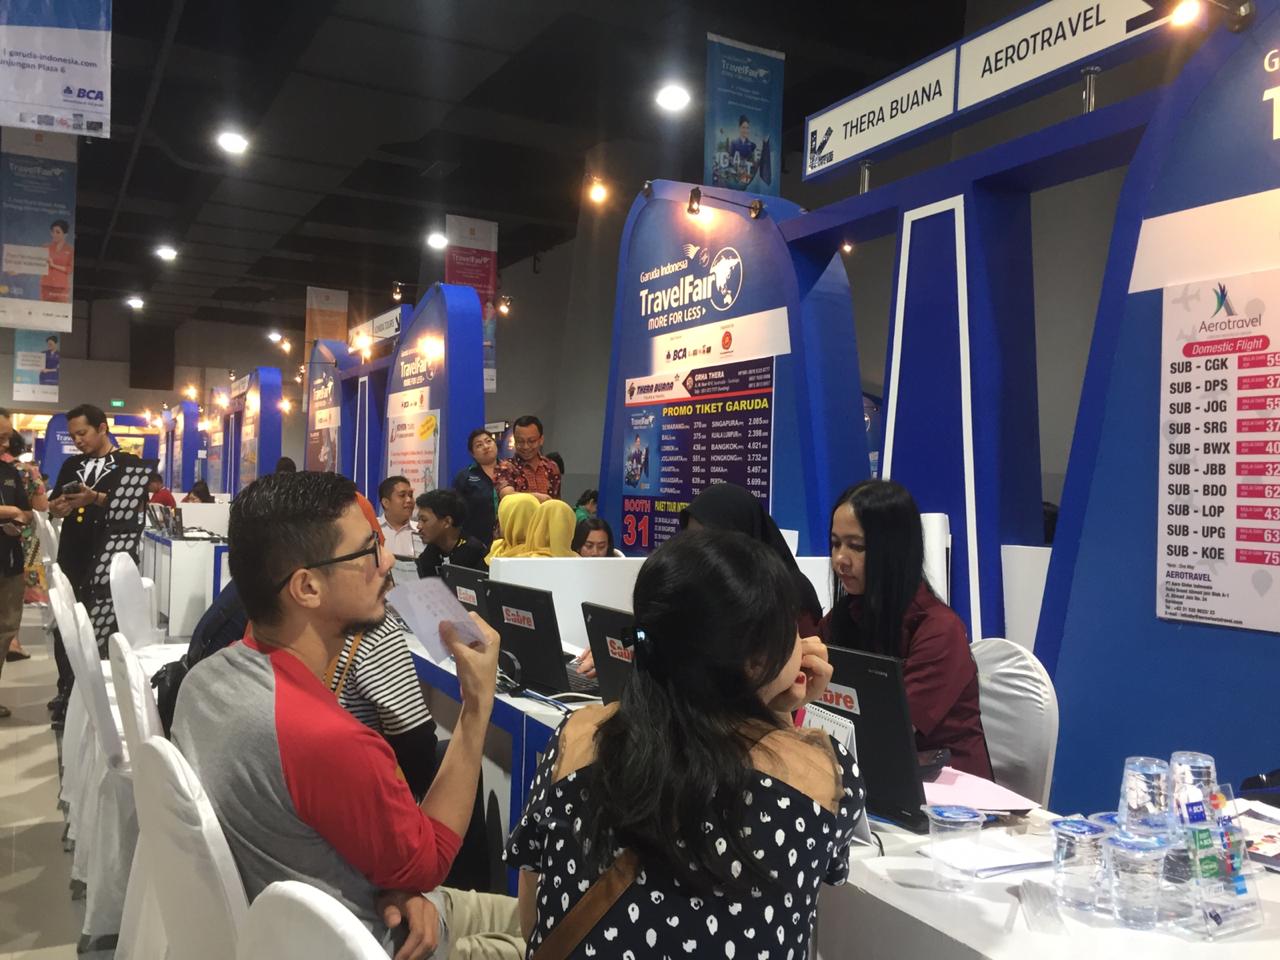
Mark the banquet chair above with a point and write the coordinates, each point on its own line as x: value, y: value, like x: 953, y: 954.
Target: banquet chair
x: 1019, y: 716
x: 79, y: 747
x: 201, y: 899
x: 141, y: 927
x: 109, y: 830
x: 133, y: 603
x: 291, y: 920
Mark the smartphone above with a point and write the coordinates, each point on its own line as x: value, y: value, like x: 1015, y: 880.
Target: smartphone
x: 72, y: 488
x: 10, y: 530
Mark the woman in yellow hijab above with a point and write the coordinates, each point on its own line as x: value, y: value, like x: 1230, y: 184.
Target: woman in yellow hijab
x: 515, y: 516
x: 552, y: 532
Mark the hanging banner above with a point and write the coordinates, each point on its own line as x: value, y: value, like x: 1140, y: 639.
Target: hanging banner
x: 744, y: 117
x: 471, y: 259
x: 55, y: 65
x: 1218, y: 549
x: 35, y: 365
x: 37, y: 226
x: 324, y: 412
x: 326, y: 317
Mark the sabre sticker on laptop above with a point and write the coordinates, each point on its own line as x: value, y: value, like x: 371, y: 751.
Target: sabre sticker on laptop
x: 467, y: 595
x: 618, y: 651
x: 517, y: 618
x: 841, y: 698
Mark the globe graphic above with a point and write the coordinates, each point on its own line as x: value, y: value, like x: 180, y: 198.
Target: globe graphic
x: 726, y: 268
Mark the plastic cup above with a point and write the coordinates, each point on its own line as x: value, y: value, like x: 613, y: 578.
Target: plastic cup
x: 952, y: 833
x: 1144, y: 796
x: 1079, y: 866
x: 1193, y: 776
x: 1137, y: 865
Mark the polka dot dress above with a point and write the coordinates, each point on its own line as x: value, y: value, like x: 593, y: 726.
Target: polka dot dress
x: 793, y: 837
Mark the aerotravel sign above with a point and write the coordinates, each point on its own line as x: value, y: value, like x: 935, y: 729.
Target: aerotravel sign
x: 1021, y: 51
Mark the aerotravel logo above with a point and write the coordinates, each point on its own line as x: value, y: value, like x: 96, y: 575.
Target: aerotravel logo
x: 1224, y: 318
x: 1222, y: 301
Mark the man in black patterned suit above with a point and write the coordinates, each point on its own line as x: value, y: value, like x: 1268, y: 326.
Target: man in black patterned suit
x: 95, y: 490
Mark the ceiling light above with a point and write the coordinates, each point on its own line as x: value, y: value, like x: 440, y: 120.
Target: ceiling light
x: 136, y: 302
x: 437, y: 240
x: 673, y: 98
x: 286, y: 405
x: 396, y: 292
x: 232, y: 142
x: 846, y: 247
x: 597, y: 192
x: 504, y: 306
x: 166, y: 253
x: 222, y: 400
x: 286, y: 346
x: 695, y: 201
x: 191, y: 392
x: 274, y: 336
x: 1185, y: 13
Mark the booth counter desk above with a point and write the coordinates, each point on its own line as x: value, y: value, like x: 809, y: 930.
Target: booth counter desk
x: 183, y: 575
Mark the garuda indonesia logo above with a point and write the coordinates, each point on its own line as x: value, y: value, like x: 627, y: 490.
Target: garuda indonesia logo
x: 1222, y: 302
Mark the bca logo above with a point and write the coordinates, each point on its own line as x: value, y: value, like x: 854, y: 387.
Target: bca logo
x: 83, y: 94
x: 68, y: 92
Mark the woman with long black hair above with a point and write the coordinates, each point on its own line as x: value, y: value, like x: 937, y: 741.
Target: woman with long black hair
x: 694, y: 795
x: 884, y: 605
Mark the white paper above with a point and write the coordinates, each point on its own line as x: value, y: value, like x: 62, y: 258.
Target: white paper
x: 993, y: 854
x: 955, y: 787
x: 424, y: 605
x: 837, y: 726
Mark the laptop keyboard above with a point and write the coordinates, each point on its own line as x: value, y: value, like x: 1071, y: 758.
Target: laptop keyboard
x: 578, y: 683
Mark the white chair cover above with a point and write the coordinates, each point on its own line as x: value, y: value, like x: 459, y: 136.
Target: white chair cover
x: 79, y: 748
x: 197, y: 886
x: 141, y: 927
x: 1019, y: 716
x: 47, y: 535
x: 291, y: 920
x: 109, y: 832
x: 132, y: 604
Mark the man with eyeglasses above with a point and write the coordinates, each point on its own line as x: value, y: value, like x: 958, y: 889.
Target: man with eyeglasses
x: 302, y: 789
x: 528, y: 471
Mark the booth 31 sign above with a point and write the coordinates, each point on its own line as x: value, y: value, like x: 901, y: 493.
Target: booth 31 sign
x: 55, y: 65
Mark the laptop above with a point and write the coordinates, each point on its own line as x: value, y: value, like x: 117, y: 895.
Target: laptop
x: 867, y: 688
x: 525, y: 618
x: 614, y: 663
x: 468, y: 586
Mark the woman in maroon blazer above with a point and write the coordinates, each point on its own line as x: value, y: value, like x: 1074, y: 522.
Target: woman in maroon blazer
x: 884, y: 605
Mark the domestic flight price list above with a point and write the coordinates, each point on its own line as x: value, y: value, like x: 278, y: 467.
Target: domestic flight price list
x: 1219, y: 505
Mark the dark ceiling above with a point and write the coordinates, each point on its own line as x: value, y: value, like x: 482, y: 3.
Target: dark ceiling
x: 370, y: 119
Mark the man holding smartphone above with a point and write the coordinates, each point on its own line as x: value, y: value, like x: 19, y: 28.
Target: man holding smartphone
x: 15, y: 513
x: 84, y: 488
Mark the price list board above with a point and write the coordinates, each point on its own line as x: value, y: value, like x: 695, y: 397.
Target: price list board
x: 687, y: 431
x: 1218, y: 546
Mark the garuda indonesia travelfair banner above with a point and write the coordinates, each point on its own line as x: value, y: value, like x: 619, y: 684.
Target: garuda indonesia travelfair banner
x: 472, y: 260
x: 37, y: 229
x: 744, y: 117
x: 55, y: 65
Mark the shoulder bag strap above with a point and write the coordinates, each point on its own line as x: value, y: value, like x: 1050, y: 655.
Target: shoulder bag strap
x: 588, y: 911
x: 351, y: 658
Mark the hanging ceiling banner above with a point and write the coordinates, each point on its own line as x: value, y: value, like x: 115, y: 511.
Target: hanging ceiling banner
x: 472, y: 261
x: 743, y: 117
x: 55, y: 65
x: 326, y: 317
x: 36, y: 358
x: 37, y: 226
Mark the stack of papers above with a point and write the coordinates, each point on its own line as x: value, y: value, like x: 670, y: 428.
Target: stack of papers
x: 965, y: 790
x: 993, y: 854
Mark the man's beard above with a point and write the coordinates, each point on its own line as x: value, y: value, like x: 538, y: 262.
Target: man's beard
x: 364, y: 626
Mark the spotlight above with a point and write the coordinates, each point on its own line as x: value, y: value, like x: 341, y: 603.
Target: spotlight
x: 232, y: 142
x: 647, y: 189
x: 695, y: 201
x: 222, y: 401
x: 275, y: 336
x: 437, y: 240
x: 756, y: 208
x: 846, y: 247
x: 396, y: 292
x: 364, y: 342
x: 286, y: 405
x: 672, y: 98
x: 597, y: 193
x: 504, y: 306
x: 286, y: 346
x: 1185, y: 13
x: 191, y: 392
x: 136, y: 302
x: 166, y: 253
x: 298, y: 378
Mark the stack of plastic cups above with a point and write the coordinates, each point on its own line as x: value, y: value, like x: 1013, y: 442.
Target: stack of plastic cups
x: 1079, y: 865
x: 1138, y: 848
x: 1193, y: 776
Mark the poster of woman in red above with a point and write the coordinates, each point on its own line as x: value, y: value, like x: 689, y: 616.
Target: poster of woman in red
x: 55, y: 285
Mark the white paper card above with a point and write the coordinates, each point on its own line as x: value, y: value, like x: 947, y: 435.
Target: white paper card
x: 837, y: 726
x: 424, y: 605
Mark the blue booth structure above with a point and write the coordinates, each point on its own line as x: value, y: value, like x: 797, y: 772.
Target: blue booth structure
x: 244, y: 441
x: 181, y: 444
x: 435, y: 389
x: 733, y: 347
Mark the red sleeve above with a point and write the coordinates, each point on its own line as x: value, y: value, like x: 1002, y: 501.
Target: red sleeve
x: 164, y: 498
x: 937, y: 669
x: 355, y: 796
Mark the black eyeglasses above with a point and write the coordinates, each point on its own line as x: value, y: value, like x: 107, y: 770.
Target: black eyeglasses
x: 372, y: 549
